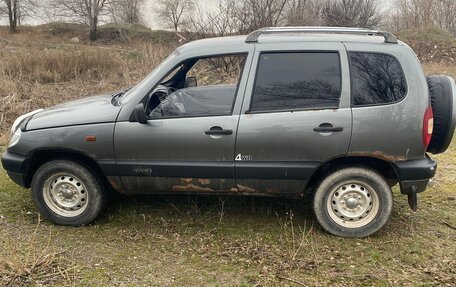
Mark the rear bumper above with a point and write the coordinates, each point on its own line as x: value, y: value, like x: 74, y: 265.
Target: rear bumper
x: 16, y: 166
x: 415, y: 173
x: 414, y: 176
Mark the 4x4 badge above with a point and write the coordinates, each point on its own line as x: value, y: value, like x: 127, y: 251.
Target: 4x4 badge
x: 241, y: 157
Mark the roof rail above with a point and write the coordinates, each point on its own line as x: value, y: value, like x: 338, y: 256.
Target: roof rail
x: 253, y: 37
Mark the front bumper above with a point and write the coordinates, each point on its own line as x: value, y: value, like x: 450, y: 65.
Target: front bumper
x: 16, y: 166
x: 414, y: 176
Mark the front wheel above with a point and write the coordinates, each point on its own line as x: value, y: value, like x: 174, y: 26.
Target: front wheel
x: 353, y: 202
x: 66, y: 193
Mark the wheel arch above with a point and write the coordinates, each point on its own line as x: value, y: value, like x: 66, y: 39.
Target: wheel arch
x: 41, y: 156
x: 385, y: 168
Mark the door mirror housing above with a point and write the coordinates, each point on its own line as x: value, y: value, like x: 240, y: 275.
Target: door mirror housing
x: 191, y: 82
x: 140, y: 114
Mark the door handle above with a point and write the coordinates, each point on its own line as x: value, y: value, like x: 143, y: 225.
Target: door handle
x: 216, y: 130
x: 327, y: 128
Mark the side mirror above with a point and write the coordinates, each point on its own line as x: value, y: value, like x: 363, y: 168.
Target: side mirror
x: 140, y: 114
x: 191, y: 82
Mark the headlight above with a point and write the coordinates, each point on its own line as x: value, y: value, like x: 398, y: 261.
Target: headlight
x: 15, y: 138
x: 19, y: 120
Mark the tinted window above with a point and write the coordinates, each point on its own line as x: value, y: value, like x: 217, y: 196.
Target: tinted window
x: 293, y: 81
x: 376, y: 79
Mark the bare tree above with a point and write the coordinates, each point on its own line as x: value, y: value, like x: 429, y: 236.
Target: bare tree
x: 303, y: 13
x: 221, y: 22
x: 16, y: 11
x: 209, y: 23
x: 415, y: 13
x: 236, y: 17
x: 244, y: 16
x: 445, y: 15
x: 352, y: 13
x: 126, y: 11
x: 423, y: 13
x: 87, y: 11
x: 174, y: 12
x: 11, y: 9
x: 254, y: 14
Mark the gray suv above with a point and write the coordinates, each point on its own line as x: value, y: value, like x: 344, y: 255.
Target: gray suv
x: 340, y: 114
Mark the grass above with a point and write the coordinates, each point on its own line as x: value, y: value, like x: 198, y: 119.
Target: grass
x: 27, y: 262
x: 195, y: 240
x: 54, y: 66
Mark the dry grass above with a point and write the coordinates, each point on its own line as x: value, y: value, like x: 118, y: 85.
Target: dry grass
x: 26, y: 263
x: 53, y: 66
x: 440, y: 69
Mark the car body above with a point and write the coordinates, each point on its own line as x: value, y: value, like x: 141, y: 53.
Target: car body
x: 247, y: 147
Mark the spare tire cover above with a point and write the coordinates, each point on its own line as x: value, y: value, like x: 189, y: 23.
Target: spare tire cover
x: 441, y: 89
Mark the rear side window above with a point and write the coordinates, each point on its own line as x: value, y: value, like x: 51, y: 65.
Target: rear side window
x: 294, y: 81
x: 376, y: 79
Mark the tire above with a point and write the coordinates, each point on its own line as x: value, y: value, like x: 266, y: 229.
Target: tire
x: 353, y: 202
x: 66, y: 193
x: 443, y: 108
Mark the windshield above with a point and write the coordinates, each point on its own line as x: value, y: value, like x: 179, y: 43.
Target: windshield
x: 128, y: 95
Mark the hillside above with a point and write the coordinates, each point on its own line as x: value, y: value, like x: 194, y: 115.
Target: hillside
x: 108, y: 33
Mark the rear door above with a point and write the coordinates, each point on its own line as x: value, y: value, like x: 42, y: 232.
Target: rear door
x: 295, y: 116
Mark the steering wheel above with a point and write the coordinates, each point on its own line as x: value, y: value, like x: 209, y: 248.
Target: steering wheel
x: 158, y: 96
x: 162, y: 92
x: 171, y: 90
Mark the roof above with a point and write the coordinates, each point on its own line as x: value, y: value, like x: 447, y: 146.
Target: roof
x: 288, y: 37
x: 217, y: 42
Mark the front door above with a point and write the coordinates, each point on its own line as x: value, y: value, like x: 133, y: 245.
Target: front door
x: 296, y: 115
x: 188, y: 142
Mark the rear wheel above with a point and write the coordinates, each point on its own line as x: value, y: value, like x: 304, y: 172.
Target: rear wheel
x: 353, y: 202
x: 66, y: 193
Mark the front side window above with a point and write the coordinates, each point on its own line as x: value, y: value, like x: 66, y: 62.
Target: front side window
x: 376, y: 79
x: 297, y: 80
x: 198, y: 87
